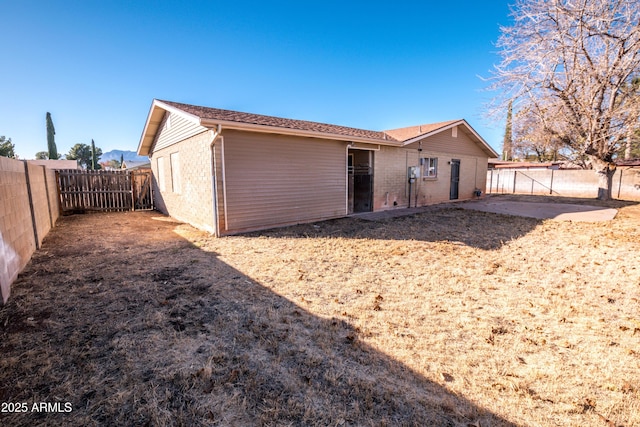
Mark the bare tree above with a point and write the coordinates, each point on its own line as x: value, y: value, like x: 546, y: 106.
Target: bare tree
x: 569, y: 61
x: 531, y: 138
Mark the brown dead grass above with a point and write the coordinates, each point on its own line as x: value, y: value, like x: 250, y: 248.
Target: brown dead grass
x: 449, y: 317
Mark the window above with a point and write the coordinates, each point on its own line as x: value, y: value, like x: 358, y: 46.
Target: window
x: 430, y: 167
x: 175, y: 172
x: 161, y: 173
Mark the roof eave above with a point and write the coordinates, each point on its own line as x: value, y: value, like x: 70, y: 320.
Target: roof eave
x: 148, y: 132
x: 154, y: 119
x: 226, y: 124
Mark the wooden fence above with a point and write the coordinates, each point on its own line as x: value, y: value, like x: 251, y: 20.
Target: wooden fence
x: 82, y: 190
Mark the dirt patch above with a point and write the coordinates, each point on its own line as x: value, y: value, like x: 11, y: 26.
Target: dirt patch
x: 448, y: 317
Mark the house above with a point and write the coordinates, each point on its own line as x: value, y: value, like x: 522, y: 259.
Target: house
x: 628, y: 163
x: 133, y: 165
x: 228, y: 172
x: 56, y: 164
x: 502, y: 164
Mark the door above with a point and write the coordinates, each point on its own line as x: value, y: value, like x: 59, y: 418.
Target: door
x: 455, y: 179
x: 360, y: 181
x: 362, y: 193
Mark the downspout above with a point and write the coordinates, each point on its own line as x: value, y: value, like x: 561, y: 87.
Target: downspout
x: 224, y: 185
x: 346, y: 171
x: 214, y: 193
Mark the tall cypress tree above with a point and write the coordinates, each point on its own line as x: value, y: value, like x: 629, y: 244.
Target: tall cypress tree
x: 507, y: 143
x: 51, y: 139
x: 94, y: 159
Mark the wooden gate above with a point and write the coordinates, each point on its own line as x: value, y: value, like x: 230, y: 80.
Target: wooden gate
x: 102, y: 190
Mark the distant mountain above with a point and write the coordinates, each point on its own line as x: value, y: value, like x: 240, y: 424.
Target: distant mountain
x: 126, y: 155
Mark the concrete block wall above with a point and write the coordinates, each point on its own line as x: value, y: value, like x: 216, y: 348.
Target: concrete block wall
x: 39, y: 201
x: 23, y: 204
x: 626, y: 184
x: 191, y: 202
x: 391, y: 189
x: 567, y: 183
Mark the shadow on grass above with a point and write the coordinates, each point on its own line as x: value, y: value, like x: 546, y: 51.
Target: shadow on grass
x: 444, y: 223
x: 137, y: 326
x: 440, y: 223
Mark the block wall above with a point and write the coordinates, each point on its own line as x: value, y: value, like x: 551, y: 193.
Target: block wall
x: 39, y: 201
x: 391, y: 186
x: 182, y: 181
x: 568, y: 183
x: 23, y: 203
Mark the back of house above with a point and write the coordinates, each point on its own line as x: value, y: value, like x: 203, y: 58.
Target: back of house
x: 229, y: 172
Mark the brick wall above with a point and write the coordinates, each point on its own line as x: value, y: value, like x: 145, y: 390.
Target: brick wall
x: 391, y: 187
x: 185, y: 175
x: 27, y: 213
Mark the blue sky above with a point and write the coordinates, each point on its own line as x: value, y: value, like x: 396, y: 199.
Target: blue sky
x: 97, y: 65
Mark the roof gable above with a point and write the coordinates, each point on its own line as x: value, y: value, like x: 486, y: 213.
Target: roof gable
x: 405, y: 134
x: 412, y: 134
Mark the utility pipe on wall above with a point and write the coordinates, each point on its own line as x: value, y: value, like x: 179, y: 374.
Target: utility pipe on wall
x: 214, y: 193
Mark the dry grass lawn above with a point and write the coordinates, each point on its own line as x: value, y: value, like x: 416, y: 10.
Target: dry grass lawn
x: 448, y: 317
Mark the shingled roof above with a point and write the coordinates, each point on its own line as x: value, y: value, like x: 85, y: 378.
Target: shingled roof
x: 209, y: 113
x: 405, y: 134
x: 208, y: 117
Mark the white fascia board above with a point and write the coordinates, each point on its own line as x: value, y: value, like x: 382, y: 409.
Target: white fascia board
x: 191, y: 117
x: 481, y: 139
x: 149, y: 131
x: 154, y: 119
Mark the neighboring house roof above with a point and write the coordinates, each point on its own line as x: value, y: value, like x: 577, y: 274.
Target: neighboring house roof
x: 630, y: 162
x: 56, y: 164
x: 525, y: 165
x: 208, y: 117
x: 129, y: 164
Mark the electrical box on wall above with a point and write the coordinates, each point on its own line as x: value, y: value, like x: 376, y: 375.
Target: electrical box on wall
x: 413, y: 173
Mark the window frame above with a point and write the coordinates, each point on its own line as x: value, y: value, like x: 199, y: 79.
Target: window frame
x: 174, y: 165
x: 429, y: 164
x: 161, y: 174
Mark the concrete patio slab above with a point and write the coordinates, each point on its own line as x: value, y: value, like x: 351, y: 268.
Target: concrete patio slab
x: 555, y: 211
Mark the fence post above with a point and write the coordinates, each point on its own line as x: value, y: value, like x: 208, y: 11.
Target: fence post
x: 620, y: 182
x: 533, y: 183
x: 515, y: 174
x: 490, y: 181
